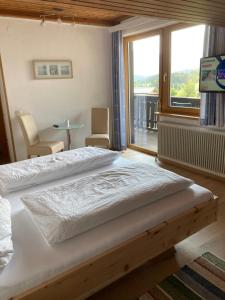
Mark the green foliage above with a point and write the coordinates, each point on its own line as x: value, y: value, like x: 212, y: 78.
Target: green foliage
x: 183, y: 84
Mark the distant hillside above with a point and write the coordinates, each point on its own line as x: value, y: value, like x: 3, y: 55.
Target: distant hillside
x: 183, y: 83
x: 145, y: 81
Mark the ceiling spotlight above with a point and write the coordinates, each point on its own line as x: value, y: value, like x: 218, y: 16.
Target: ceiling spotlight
x: 42, y: 21
x: 74, y: 22
x: 59, y: 20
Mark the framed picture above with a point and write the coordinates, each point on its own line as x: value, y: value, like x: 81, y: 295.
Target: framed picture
x: 52, y: 69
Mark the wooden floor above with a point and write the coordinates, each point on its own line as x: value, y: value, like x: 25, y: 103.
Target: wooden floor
x: 211, y: 238
x: 146, y: 139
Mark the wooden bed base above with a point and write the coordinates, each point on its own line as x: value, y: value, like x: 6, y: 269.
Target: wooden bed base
x: 96, y: 273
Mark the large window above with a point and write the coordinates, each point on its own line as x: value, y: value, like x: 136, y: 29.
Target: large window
x: 162, y: 74
x: 186, y: 51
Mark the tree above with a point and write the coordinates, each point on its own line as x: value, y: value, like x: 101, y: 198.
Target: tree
x: 183, y: 84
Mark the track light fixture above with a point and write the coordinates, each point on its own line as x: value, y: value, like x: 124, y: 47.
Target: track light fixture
x: 74, y: 22
x: 42, y: 21
x: 57, y: 17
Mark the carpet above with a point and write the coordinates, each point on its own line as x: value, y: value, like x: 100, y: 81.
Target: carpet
x: 204, y: 279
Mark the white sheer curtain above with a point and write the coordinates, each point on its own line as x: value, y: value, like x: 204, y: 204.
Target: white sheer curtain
x: 212, y: 112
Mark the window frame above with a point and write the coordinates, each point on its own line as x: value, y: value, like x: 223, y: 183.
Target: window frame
x: 126, y: 41
x: 165, y: 34
x: 166, y: 66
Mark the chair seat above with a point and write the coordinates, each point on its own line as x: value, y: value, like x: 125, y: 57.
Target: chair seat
x: 45, y: 148
x: 97, y: 140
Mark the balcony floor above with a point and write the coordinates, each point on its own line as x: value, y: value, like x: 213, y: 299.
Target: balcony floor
x: 146, y: 139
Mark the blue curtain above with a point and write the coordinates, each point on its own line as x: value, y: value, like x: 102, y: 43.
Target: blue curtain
x: 119, y: 139
x: 212, y: 112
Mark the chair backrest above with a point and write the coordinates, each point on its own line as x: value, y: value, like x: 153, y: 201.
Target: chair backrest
x: 29, y: 129
x: 100, y: 120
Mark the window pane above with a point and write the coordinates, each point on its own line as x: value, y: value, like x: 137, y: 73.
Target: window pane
x: 186, y: 51
x: 146, y: 65
x: 144, y: 56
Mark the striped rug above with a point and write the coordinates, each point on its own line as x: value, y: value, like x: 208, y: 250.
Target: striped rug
x: 204, y: 279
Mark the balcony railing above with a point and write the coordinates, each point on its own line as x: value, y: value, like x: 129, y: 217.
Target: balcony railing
x: 144, y: 106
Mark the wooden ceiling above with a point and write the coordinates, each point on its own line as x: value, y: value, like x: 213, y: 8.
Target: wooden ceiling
x: 34, y: 9
x: 111, y: 12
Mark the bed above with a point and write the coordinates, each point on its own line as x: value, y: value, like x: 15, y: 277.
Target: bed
x: 80, y: 266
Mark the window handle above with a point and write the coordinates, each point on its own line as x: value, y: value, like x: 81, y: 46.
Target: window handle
x: 164, y: 77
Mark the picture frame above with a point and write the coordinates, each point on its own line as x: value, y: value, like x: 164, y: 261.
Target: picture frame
x: 52, y: 69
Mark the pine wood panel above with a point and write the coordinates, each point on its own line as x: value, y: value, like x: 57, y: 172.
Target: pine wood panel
x: 198, y: 11
x: 35, y: 8
x: 111, y: 12
x: 118, y: 261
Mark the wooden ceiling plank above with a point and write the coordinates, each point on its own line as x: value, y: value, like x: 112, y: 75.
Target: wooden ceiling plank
x: 50, y: 7
x: 157, y: 5
x: 186, y: 5
x: 139, y: 5
x: 82, y: 14
x: 155, y: 12
x: 84, y: 21
x: 207, y: 17
x: 113, y: 11
x: 191, y: 3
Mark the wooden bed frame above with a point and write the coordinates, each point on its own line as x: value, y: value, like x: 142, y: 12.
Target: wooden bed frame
x: 89, y: 277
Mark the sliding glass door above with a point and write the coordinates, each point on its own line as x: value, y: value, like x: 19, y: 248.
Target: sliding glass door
x: 143, y: 82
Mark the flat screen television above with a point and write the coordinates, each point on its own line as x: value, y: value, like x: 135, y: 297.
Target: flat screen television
x: 212, y: 74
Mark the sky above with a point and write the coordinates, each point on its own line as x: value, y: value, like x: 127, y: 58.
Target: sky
x: 187, y: 49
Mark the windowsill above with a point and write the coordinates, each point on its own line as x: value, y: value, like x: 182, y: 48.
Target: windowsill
x: 177, y: 116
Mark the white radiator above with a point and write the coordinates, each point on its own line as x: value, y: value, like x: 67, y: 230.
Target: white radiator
x: 197, y: 147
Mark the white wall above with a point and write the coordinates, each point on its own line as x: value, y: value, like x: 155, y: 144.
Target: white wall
x: 53, y: 101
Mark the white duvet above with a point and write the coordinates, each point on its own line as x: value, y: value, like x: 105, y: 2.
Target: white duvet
x: 23, y: 174
x: 65, y: 211
x: 6, y: 245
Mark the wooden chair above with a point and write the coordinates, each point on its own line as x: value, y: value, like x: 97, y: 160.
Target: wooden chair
x: 99, y: 128
x: 33, y: 144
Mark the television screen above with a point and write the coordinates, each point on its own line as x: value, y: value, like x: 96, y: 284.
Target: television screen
x: 212, y: 74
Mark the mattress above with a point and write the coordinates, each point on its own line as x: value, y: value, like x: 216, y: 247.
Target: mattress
x: 35, y: 261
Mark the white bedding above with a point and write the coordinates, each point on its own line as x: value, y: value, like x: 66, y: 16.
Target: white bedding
x: 67, y: 210
x: 23, y: 174
x: 6, y: 245
x: 35, y: 261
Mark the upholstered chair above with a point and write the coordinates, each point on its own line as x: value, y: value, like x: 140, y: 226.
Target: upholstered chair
x: 99, y: 128
x: 33, y: 144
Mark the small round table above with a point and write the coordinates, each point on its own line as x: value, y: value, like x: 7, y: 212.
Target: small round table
x: 68, y: 129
